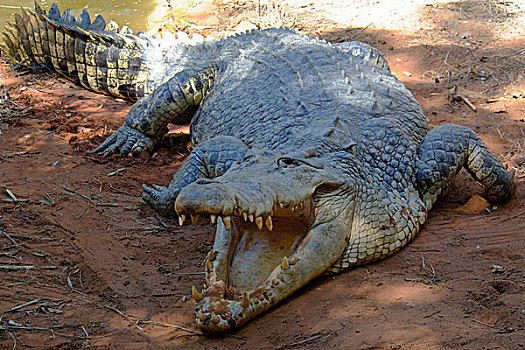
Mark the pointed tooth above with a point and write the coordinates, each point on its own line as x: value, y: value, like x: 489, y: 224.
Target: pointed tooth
x: 208, y: 264
x: 250, y: 217
x: 285, y: 264
x: 201, y: 317
x: 213, y: 219
x: 227, y: 222
x: 245, y: 300
x: 212, y: 255
x: 268, y: 223
x: 259, y: 222
x: 194, y: 219
x: 281, y: 204
x: 294, y: 260
x: 182, y: 218
x: 196, y: 295
x: 245, y: 216
x: 214, y: 318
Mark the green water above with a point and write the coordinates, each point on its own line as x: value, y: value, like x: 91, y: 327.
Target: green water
x: 132, y: 13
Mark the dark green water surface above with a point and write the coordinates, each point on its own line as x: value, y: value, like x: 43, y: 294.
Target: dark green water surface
x: 133, y: 13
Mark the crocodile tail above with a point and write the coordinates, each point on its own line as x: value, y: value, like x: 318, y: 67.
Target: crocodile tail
x: 99, y: 56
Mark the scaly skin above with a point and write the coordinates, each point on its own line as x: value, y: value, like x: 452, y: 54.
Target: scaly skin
x: 312, y: 158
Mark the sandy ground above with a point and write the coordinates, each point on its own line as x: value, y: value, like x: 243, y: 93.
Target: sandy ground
x: 84, y: 263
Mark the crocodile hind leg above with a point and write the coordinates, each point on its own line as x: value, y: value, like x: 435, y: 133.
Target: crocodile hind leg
x: 447, y: 148
x: 147, y: 121
x: 207, y: 161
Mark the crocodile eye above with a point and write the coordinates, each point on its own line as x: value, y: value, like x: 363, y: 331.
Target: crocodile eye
x: 286, y: 162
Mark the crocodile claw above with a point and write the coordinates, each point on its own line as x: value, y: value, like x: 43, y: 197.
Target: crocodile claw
x: 125, y: 140
x: 159, y: 199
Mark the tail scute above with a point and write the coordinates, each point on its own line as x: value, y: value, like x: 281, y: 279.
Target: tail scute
x: 84, y: 20
x: 97, y: 55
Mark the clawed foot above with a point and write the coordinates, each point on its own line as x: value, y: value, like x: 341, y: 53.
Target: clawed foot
x: 126, y: 140
x: 160, y: 199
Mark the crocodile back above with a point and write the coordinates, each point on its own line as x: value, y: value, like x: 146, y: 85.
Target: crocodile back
x: 276, y: 88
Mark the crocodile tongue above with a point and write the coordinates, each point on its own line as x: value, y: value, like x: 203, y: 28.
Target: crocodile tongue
x: 268, y: 244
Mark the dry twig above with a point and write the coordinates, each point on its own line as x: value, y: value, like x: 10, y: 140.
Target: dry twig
x: 9, y: 238
x: 302, y: 341
x: 125, y: 316
x: 78, y: 194
x: 153, y: 323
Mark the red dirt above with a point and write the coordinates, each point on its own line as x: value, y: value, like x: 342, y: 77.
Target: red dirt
x: 99, y: 269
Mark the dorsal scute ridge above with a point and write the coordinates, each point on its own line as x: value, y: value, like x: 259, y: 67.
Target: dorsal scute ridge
x: 68, y: 17
x: 84, y: 20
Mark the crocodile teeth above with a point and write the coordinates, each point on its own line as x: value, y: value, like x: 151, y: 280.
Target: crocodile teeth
x: 294, y: 260
x: 212, y: 255
x: 227, y: 221
x: 213, y: 219
x: 245, y: 216
x: 194, y: 219
x: 250, y: 217
x: 208, y: 265
x: 196, y: 295
x: 281, y: 204
x: 181, y: 219
x: 245, y: 300
x: 259, y: 222
x: 285, y: 264
x: 238, y: 211
x: 214, y: 318
x: 268, y: 223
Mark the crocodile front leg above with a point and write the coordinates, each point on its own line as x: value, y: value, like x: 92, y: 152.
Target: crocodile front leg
x: 447, y: 148
x: 148, y: 119
x: 207, y: 161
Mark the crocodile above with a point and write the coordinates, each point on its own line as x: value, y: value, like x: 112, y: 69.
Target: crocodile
x: 310, y: 157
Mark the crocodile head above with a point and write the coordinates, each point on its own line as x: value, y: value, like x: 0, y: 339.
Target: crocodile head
x: 283, y: 219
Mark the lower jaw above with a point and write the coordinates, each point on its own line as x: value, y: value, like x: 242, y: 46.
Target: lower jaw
x: 256, y: 261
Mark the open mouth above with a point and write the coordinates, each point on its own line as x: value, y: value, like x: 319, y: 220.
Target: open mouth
x: 251, y: 263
